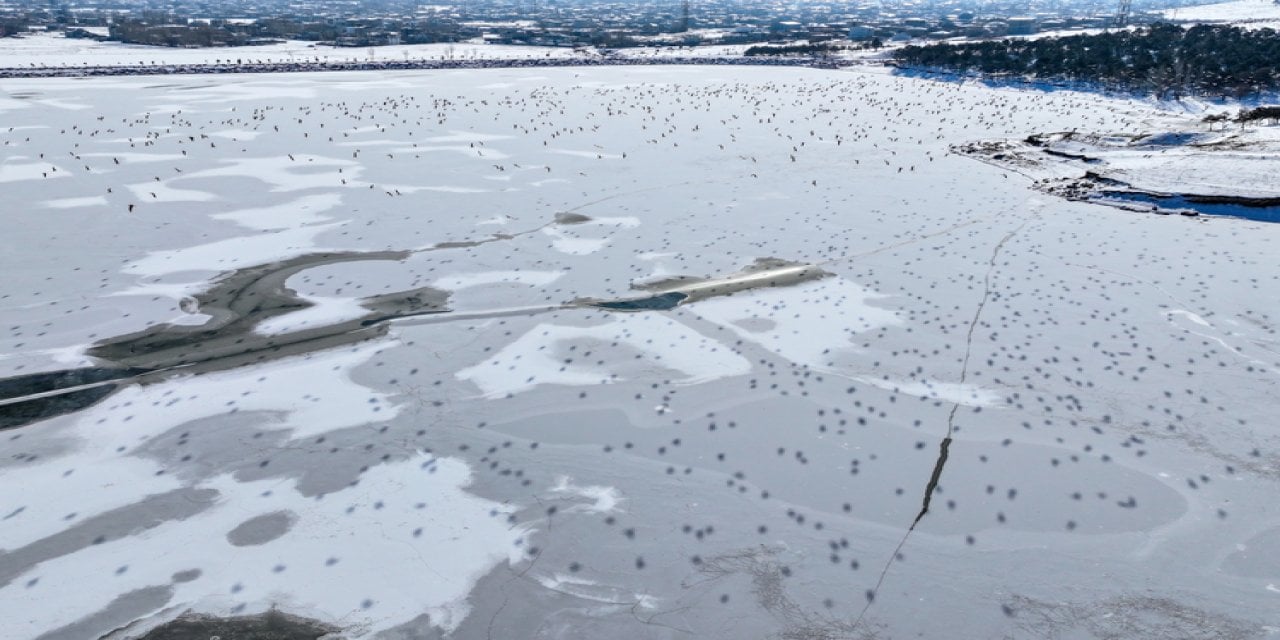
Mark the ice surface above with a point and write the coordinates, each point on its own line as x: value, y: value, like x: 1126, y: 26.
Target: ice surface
x: 332, y: 562
x: 738, y: 466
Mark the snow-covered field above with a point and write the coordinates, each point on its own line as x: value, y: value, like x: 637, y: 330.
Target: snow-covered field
x: 1241, y: 11
x: 50, y: 49
x: 54, y: 50
x: 1100, y: 384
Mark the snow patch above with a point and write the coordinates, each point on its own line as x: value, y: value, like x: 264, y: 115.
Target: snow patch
x: 962, y: 394
x: 535, y: 358
x: 407, y: 528
x: 809, y: 324
x: 303, y: 211
x: 603, y: 499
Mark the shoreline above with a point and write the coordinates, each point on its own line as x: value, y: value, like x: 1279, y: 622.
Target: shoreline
x: 407, y: 65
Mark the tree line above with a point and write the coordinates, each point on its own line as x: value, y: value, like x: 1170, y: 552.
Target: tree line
x: 1167, y: 60
x: 812, y: 49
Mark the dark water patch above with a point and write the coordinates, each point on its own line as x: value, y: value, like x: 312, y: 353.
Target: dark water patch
x: 1257, y: 209
x: 272, y: 625
x: 660, y: 302
x: 27, y: 411
x: 1171, y: 139
x: 33, y: 383
x: 32, y: 397
x: 1073, y: 156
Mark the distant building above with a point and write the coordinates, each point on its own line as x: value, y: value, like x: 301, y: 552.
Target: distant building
x: 1023, y: 26
x: 823, y: 33
x: 789, y: 28
x: 863, y: 32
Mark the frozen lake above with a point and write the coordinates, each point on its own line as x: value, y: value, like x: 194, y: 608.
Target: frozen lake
x: 875, y: 388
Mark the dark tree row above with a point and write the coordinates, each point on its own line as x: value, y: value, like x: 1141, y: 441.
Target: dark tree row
x: 819, y: 48
x: 1164, y: 59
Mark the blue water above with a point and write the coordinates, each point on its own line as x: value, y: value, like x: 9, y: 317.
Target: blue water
x: 1260, y: 214
x: 660, y: 302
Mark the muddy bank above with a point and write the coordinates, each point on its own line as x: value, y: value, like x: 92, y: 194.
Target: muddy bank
x: 236, y: 303
x: 241, y: 300
x: 245, y: 298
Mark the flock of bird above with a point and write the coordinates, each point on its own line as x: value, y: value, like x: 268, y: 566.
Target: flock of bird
x: 1055, y: 340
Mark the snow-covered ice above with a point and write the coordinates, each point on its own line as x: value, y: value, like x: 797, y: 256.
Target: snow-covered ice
x: 1085, y: 394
